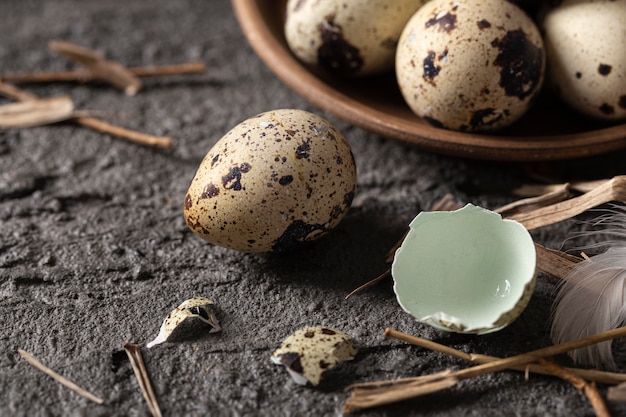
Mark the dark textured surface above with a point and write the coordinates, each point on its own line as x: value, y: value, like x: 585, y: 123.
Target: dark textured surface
x: 94, y: 250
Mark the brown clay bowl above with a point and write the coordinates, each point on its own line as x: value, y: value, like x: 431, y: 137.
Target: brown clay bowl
x: 549, y: 131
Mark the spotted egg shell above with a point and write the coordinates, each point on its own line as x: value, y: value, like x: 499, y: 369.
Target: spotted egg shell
x: 273, y: 182
x: 586, y: 51
x: 470, y: 65
x: 311, y: 352
x: 348, y: 38
x: 190, y: 317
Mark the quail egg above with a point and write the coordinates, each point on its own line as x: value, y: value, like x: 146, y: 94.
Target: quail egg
x: 586, y: 52
x: 470, y: 65
x: 466, y: 271
x: 271, y: 183
x: 348, y: 38
x: 309, y: 353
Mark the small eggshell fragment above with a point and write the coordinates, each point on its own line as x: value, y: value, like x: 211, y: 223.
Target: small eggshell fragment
x: 273, y: 182
x: 466, y: 271
x: 190, y: 317
x: 312, y: 351
x: 586, y: 52
x: 348, y: 38
x: 470, y: 65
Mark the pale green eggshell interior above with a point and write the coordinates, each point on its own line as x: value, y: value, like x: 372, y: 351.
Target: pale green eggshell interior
x: 467, y: 271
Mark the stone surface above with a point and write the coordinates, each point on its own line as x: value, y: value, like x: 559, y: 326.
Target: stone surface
x: 94, y: 250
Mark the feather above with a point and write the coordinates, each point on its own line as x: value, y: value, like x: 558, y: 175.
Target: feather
x: 591, y: 298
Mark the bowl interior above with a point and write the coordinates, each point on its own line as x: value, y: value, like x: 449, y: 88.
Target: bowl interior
x: 549, y: 131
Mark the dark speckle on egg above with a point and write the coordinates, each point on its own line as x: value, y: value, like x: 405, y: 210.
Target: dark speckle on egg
x: 430, y: 68
x: 484, y: 24
x: 336, y: 54
x: 292, y: 360
x: 607, y: 108
x: 521, y: 62
x: 433, y: 122
x: 445, y: 23
x: 210, y: 191
x: 302, y: 151
x: 295, y: 235
x: 485, y: 117
x: 604, y: 69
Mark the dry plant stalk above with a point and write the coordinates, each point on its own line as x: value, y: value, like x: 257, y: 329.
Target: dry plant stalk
x: 558, y: 194
x: 121, y: 132
x: 534, y: 190
x: 611, y: 190
x: 99, y: 67
x: 590, y: 374
x: 555, y: 263
x: 60, y: 379
x: 143, y: 379
x: 617, y: 393
x: 15, y: 93
x: 96, y: 67
x: 362, y: 396
x: 38, y: 111
x: 590, y: 390
x: 84, y: 75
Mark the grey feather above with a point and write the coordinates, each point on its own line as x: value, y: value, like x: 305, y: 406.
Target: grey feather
x: 591, y: 298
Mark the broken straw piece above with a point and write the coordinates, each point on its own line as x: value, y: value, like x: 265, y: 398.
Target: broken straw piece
x: 36, y: 112
x: 189, y: 318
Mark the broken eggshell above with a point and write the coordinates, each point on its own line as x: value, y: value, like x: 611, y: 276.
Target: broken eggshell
x: 189, y: 318
x: 466, y: 271
x: 310, y: 352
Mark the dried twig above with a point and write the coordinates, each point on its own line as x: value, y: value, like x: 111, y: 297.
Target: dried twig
x: 42, y: 114
x: 36, y: 112
x: 131, y: 135
x: 84, y: 75
x: 369, y: 283
x: 15, y: 93
x: 555, y: 263
x: 526, y: 204
x: 590, y: 374
x: 590, y: 390
x: 60, y: 379
x: 611, y: 190
x: 97, y: 68
x: 363, y: 398
x: 617, y: 393
x: 534, y: 190
x: 143, y: 379
x: 100, y: 68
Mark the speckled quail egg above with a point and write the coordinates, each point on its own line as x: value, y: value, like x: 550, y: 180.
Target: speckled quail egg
x: 271, y: 183
x: 348, y: 38
x: 309, y: 353
x: 586, y: 52
x: 466, y: 271
x: 470, y: 65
